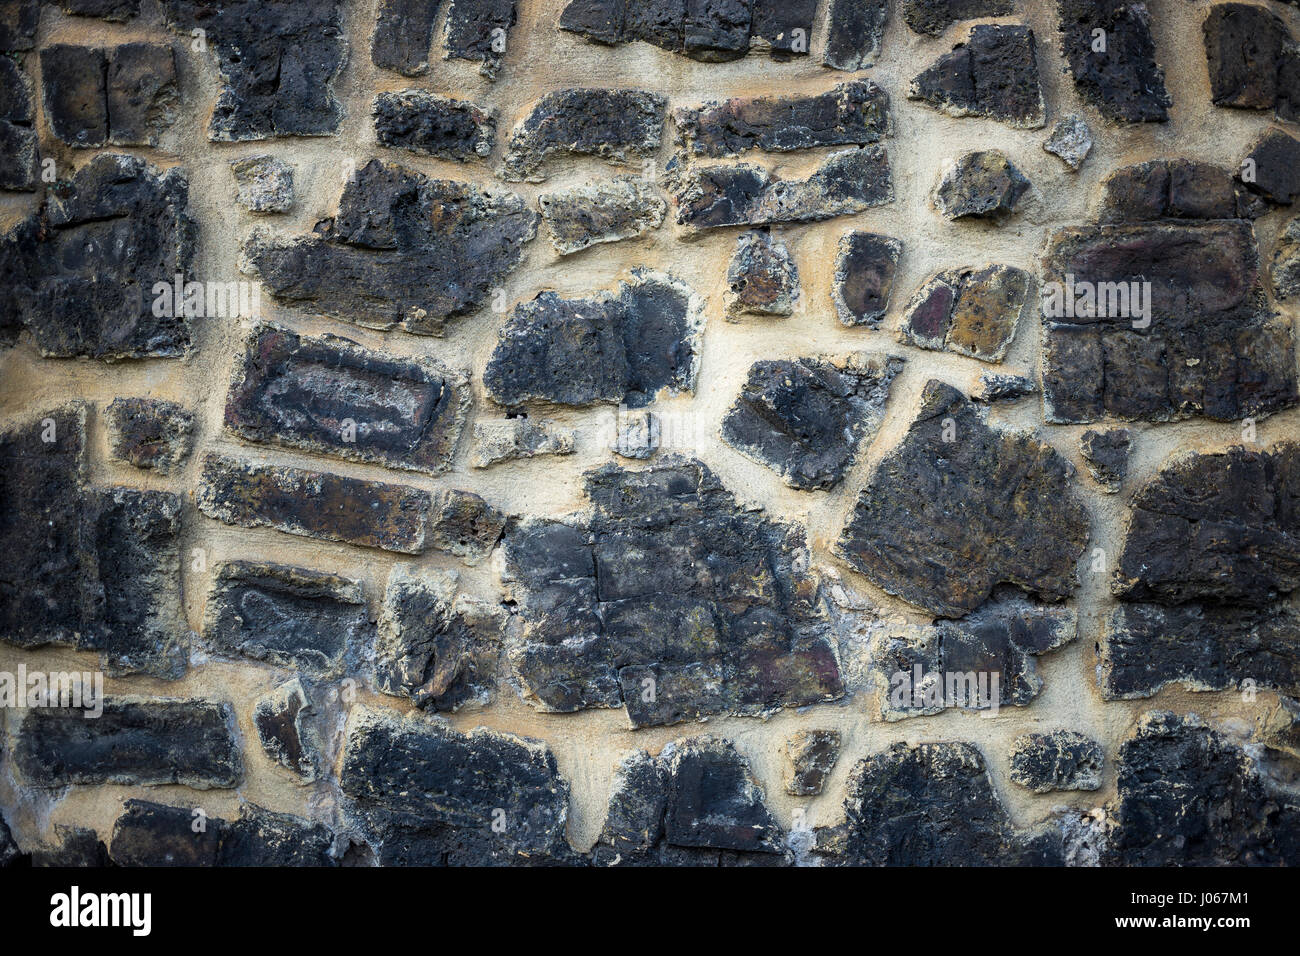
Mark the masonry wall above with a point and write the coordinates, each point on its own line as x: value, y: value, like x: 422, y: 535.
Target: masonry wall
x: 616, y: 427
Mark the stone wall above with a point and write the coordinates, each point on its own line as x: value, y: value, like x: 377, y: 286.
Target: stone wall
x: 696, y: 433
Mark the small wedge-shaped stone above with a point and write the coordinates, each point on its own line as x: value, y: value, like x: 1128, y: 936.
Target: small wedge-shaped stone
x: 864, y: 277
x: 606, y: 211
x: 371, y: 514
x: 810, y: 756
x: 1070, y: 140
x: 958, y: 508
x: 616, y: 125
x: 972, y: 312
x: 980, y: 185
x: 762, y: 278
x: 1274, y: 166
x: 287, y: 732
x: 1061, y: 760
x: 745, y: 195
x: 331, y: 396
x: 1119, y: 75
x: 404, y: 251
x: 622, y: 347
x: 433, y: 125
x: 994, y: 74
x: 806, y: 418
x: 289, y: 617
x: 851, y: 114
x: 140, y: 741
x: 1106, y: 455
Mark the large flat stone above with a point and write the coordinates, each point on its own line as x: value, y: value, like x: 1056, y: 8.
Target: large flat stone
x: 616, y: 125
x: 993, y: 74
x: 1122, y: 79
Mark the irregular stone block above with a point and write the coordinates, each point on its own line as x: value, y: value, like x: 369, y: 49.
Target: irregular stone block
x: 1070, y: 140
x: 973, y: 312
x: 669, y: 599
x: 762, y: 278
x: 478, y: 30
x: 76, y: 100
x: 1157, y: 322
x: 403, y: 35
x: 634, y: 817
x: 606, y: 211
x: 1187, y: 797
x: 1215, y: 527
x: 1284, y: 269
x: 1061, y: 760
x: 115, y: 11
x: 304, y: 42
x: 18, y: 152
x: 1252, y: 59
x: 811, y: 755
x: 136, y: 741
x: 465, y: 525
x: 854, y: 29
x: 153, y: 834
x: 18, y: 22
x: 932, y: 17
x: 982, y: 662
x: 287, y: 617
x: 980, y: 185
x: 262, y: 838
x: 612, y: 124
x: 149, y: 433
x: 621, y: 347
x: 142, y: 95
x: 371, y: 514
x: 1170, y: 189
x: 782, y: 27
x: 1106, y: 455
x: 289, y: 736
x: 436, y: 647
x: 930, y: 805
x: 1122, y: 78
x: 1283, y: 727
x: 806, y: 418
x: 995, y: 387
x: 414, y: 769
x: 864, y: 277
x: 513, y: 439
x: 744, y: 195
x: 79, y: 273
x: 994, y: 74
x: 424, y: 122
x: 333, y: 397
x: 404, y: 251
x: 73, y: 846
x: 638, y: 435
x: 943, y: 538
x: 1146, y: 647
x: 1274, y: 164
x: 265, y: 183
x: 851, y: 114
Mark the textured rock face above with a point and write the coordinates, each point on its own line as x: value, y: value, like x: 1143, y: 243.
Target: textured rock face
x: 981, y: 185
x: 864, y: 277
x: 932, y: 17
x: 1252, y: 60
x: 514, y: 439
x: 994, y: 74
x: 80, y: 273
x: 287, y: 732
x: 762, y: 278
x: 1117, y: 72
x: 616, y: 125
x: 942, y: 522
x: 434, y: 125
x: 854, y: 33
x: 135, y: 740
x: 73, y: 846
x: 1274, y: 163
x: 972, y: 312
x: 806, y: 418
x: 403, y: 35
x: 1202, y: 342
x: 623, y: 348
x: 1071, y: 140
x: 1170, y: 189
x: 608, y: 211
x: 154, y: 834
x: 851, y: 114
x: 1061, y: 760
x: 265, y: 183
x: 330, y: 396
x: 1189, y: 798
x: 668, y: 599
x: 304, y: 41
x: 403, y: 251
x: 150, y: 433
x: 1106, y: 454
x: 930, y: 805
x: 812, y: 754
x: 18, y: 148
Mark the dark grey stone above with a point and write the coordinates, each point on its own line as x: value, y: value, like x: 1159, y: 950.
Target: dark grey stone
x: 1060, y: 760
x: 433, y: 125
x: 812, y: 755
x: 1106, y: 455
x: 932, y: 17
x: 1122, y: 80
x: 854, y: 29
x: 980, y: 185
x: 149, y: 433
x: 616, y: 125
x: 403, y: 35
x: 993, y: 74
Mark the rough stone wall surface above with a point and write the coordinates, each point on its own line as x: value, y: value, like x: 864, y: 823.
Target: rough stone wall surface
x: 528, y: 432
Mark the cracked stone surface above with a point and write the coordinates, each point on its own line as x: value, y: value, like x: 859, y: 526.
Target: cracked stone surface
x: 973, y: 312
x: 855, y: 29
x: 1070, y: 140
x: 608, y: 211
x: 1122, y: 79
x: 806, y: 418
x: 18, y: 142
x: 941, y: 523
x: 1274, y: 162
x: 1061, y: 760
x: 993, y: 74
x: 287, y: 732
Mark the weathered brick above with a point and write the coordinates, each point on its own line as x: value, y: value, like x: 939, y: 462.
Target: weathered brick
x: 289, y: 734
x: 1106, y: 455
x: 424, y: 122
x: 149, y: 433
x: 18, y: 22
x: 465, y: 525
x: 1252, y: 59
x: 479, y: 30
x: 513, y: 439
x: 18, y: 148
x: 1274, y: 164
x: 1122, y: 79
x: 1061, y: 760
x: 154, y: 834
x: 994, y: 74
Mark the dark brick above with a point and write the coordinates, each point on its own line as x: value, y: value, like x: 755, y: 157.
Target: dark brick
x: 932, y: 17
x: 433, y: 125
x: 478, y: 30
x: 278, y: 61
x: 864, y: 277
x: 973, y: 312
x: 621, y: 348
x: 403, y: 35
x: 993, y: 74
x: 149, y: 432
x: 404, y: 251
x: 1252, y: 60
x: 18, y: 147
x: 942, y: 523
x: 806, y: 418
x: 854, y: 29
x: 333, y: 397
x: 153, y: 834
x: 1106, y: 455
x: 812, y: 755
x: 605, y: 211
x: 615, y: 125
x: 371, y: 514
x: 287, y: 617
x: 1061, y: 760
x: 773, y: 24
x: 1123, y: 81
x: 850, y: 114
x: 465, y: 525
x: 137, y: 740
